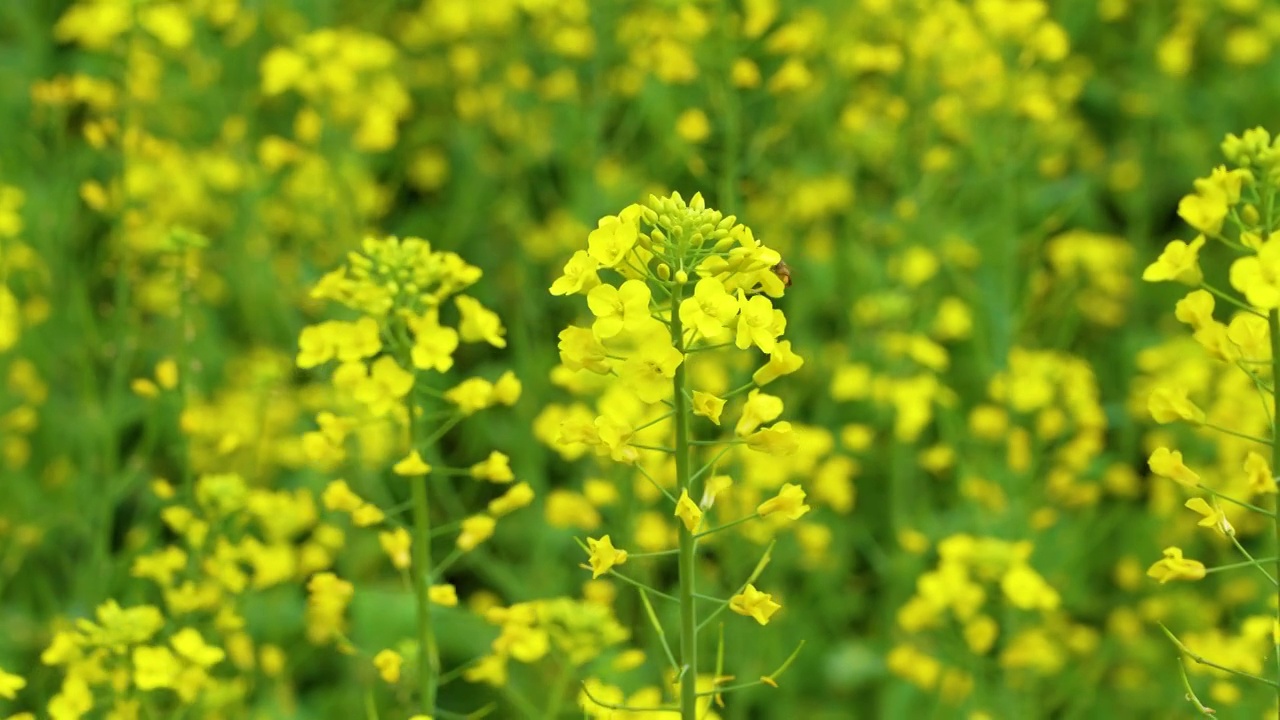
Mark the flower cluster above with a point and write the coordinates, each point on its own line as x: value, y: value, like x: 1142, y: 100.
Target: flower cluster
x: 1234, y: 367
x: 667, y: 284
x: 387, y: 361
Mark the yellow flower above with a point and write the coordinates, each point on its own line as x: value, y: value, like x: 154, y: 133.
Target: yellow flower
x: 154, y: 667
x: 338, y: 496
x: 617, y: 309
x: 1204, y: 210
x: 388, y: 663
x: 1258, y: 276
x: 688, y: 511
x: 610, y: 243
x: 412, y: 464
x: 1258, y: 471
x: 520, y: 495
x: 496, y: 468
x: 580, y: 275
x: 507, y: 389
x: 782, y: 361
x: 758, y: 323
x: 1174, y: 567
x: 479, y: 323
x: 693, y: 126
x: 1179, y: 262
x: 754, y: 604
x: 396, y: 544
x: 715, y: 485
x: 475, y: 530
x: 581, y: 350
x: 433, y: 343
x: 603, y: 555
x: 1213, y: 516
x: 367, y: 515
x: 192, y: 646
x: 710, y: 308
x: 789, y: 501
x: 471, y: 395
x: 1196, y: 309
x: 777, y: 440
x: 648, y: 373
x: 1170, y: 404
x: 758, y: 410
x: 1167, y: 463
x: 10, y: 684
x: 708, y: 406
x: 443, y: 594
x: 615, y: 435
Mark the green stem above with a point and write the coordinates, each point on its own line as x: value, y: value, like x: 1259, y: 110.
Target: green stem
x: 1238, y: 565
x: 688, y: 543
x: 1273, y: 319
x: 1253, y: 562
x: 428, y: 653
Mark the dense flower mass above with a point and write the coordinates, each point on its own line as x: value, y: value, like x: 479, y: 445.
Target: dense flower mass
x: 952, y: 393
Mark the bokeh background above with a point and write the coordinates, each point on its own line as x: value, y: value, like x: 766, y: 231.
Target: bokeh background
x: 966, y: 193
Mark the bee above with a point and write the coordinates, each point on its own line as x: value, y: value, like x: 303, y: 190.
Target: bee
x: 783, y: 272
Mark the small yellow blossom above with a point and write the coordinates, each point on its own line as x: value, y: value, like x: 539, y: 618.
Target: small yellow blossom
x: 708, y: 406
x: 789, y: 501
x: 688, y: 511
x: 443, y: 594
x: 604, y: 556
x: 1171, y: 404
x: 1213, y: 516
x: 388, y: 663
x: 475, y: 530
x: 782, y: 361
x: 1174, y: 567
x: 1179, y: 262
x: 412, y: 464
x: 1258, y: 472
x: 520, y: 495
x: 10, y: 684
x: 396, y: 544
x: 1168, y: 463
x: 754, y: 604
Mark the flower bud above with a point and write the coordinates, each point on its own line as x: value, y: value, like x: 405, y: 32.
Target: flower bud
x: 664, y: 271
x: 682, y: 277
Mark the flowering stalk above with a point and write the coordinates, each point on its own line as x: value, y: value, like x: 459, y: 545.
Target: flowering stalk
x: 1233, y: 207
x: 682, y: 281
x: 1273, y: 324
x: 428, y: 653
x: 688, y: 543
x: 386, y: 360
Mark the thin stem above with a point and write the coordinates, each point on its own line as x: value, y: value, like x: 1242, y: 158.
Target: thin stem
x: 428, y: 653
x: 1237, y: 566
x: 640, y: 585
x: 1233, y: 433
x: 654, y: 448
x: 1209, y: 663
x: 728, y: 525
x: 688, y: 543
x: 1191, y: 694
x: 1273, y: 321
x: 1244, y: 552
x: 657, y: 626
x: 1233, y: 501
x: 1229, y: 299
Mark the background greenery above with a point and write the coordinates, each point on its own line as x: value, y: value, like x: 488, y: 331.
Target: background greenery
x: 909, y: 158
